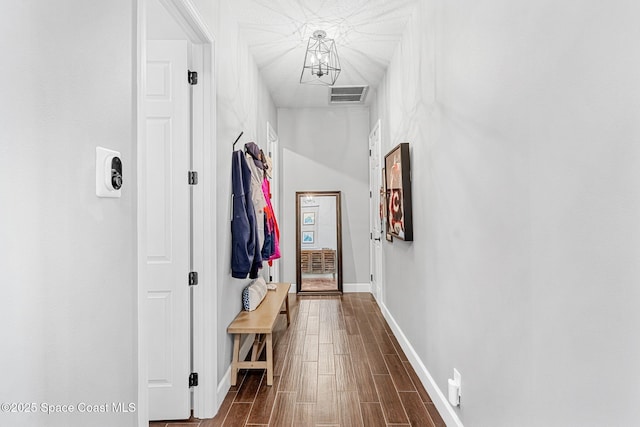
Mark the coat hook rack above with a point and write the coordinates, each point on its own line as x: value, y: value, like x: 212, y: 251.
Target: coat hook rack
x: 237, y: 139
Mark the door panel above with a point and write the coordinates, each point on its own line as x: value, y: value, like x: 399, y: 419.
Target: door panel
x: 164, y: 183
x: 375, y: 182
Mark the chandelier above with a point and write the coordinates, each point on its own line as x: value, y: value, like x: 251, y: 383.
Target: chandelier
x: 321, y: 62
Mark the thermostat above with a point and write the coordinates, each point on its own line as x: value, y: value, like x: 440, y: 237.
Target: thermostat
x: 108, y: 173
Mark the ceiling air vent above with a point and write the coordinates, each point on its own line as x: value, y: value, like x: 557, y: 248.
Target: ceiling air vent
x: 347, y: 94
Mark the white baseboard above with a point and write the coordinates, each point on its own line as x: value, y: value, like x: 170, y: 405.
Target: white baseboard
x: 356, y: 287
x: 225, y: 383
x: 346, y: 287
x: 439, y: 399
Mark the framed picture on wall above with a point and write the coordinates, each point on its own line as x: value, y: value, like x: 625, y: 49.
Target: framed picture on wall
x: 308, y: 237
x: 384, y: 197
x: 308, y: 218
x: 397, y: 166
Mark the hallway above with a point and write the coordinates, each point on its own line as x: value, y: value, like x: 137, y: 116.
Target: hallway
x: 338, y: 364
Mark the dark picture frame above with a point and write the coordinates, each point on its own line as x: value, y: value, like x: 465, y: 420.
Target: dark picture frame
x: 397, y: 164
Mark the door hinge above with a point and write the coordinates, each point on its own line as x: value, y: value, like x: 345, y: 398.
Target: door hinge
x: 193, y: 77
x: 372, y: 277
x: 369, y: 152
x: 193, y: 379
x: 193, y: 178
x: 370, y: 235
x: 193, y: 278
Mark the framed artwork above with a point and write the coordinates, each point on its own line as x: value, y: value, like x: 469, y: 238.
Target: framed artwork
x: 308, y: 218
x: 384, y: 197
x: 308, y: 237
x: 397, y: 166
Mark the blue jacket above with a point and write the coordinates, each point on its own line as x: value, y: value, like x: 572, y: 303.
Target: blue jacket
x: 245, y: 253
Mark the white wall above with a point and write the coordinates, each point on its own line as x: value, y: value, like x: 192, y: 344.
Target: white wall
x: 68, y: 306
x: 243, y: 104
x: 523, y: 275
x: 326, y: 149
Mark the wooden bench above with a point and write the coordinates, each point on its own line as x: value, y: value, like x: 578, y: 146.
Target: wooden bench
x: 259, y: 322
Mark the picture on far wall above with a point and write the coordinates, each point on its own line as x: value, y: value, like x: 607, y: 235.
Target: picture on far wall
x: 308, y: 218
x: 308, y: 238
x: 398, y: 188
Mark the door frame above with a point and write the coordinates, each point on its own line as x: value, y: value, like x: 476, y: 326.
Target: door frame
x: 273, y: 146
x: 205, y: 397
x: 378, y: 290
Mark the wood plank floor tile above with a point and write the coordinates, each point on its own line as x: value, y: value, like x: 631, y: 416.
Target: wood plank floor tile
x: 283, y: 410
x: 399, y: 374
x: 345, y: 376
x: 416, y: 410
x: 417, y: 383
x: 365, y: 330
x: 340, y: 342
x: 263, y: 404
x: 399, y: 350
x: 313, y: 325
x: 296, y: 345
x: 327, y: 401
x: 382, y: 338
x: 308, y: 390
x: 314, y: 307
x: 326, y: 363
x: 326, y: 332
x: 222, y: 412
x: 349, y: 409
x: 291, y: 376
x: 372, y: 415
x: 351, y: 325
x: 238, y: 414
x: 310, y: 352
x: 435, y: 415
x: 391, y: 405
x: 250, y: 385
x: 364, y: 380
x: 375, y: 358
x: 305, y: 414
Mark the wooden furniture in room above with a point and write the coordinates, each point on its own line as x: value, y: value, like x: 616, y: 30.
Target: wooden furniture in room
x: 259, y: 322
x: 318, y: 261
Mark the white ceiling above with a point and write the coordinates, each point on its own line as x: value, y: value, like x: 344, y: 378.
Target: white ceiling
x: 366, y: 33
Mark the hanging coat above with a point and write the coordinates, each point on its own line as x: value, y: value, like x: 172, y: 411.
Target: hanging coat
x: 245, y: 251
x: 271, y: 248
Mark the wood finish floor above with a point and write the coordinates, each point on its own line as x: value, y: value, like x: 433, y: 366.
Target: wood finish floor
x: 338, y: 364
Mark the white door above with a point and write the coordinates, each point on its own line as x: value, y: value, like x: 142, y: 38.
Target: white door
x: 164, y: 183
x: 375, y: 183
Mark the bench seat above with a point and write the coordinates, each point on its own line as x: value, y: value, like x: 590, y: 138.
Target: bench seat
x: 260, y: 322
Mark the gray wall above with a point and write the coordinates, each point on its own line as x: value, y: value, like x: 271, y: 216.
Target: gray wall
x: 243, y: 104
x: 67, y: 265
x: 326, y: 149
x: 523, y: 122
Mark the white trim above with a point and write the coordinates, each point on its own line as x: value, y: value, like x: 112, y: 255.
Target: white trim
x: 446, y: 411
x: 356, y: 287
x: 143, y: 349
x: 225, y: 382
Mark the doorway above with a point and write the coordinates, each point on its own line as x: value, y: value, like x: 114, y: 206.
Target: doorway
x: 177, y: 316
x: 376, y: 210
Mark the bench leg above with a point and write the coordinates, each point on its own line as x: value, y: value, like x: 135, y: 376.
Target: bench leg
x: 236, y: 357
x: 286, y: 300
x: 269, y: 360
